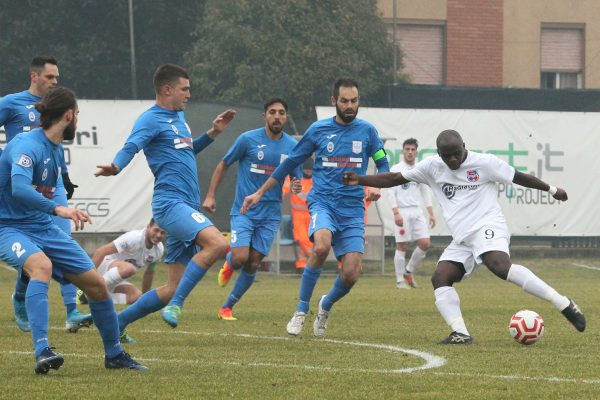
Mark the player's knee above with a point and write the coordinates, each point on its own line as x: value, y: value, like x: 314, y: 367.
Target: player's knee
x: 350, y: 276
x: 218, y: 246
x: 321, y: 250
x: 440, y: 279
x: 424, y: 245
x: 239, y: 258
x: 127, y: 270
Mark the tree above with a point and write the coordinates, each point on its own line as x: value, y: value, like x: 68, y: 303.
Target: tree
x: 248, y: 50
x: 90, y: 40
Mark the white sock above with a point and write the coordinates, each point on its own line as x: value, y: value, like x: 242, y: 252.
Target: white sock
x: 112, y: 279
x: 529, y: 282
x: 448, y: 304
x: 399, y: 259
x: 119, y: 298
x: 417, y: 256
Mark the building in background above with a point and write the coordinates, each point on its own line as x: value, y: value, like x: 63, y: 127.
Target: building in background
x: 497, y: 43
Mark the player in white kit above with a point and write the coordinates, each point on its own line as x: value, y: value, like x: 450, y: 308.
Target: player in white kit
x: 407, y: 201
x: 464, y: 183
x: 123, y: 257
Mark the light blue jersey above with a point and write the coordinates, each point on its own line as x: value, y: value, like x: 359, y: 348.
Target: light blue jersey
x: 165, y: 137
x: 18, y: 114
x: 33, y: 157
x: 338, y: 148
x: 170, y: 152
x: 258, y: 157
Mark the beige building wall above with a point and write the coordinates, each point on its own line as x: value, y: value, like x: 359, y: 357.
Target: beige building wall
x: 425, y: 10
x: 523, y: 21
x: 522, y: 24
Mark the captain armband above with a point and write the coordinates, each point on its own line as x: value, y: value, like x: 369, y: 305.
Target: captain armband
x: 552, y: 190
x: 379, y: 154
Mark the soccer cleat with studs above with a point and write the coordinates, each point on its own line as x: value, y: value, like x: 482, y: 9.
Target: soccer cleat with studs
x: 76, y: 320
x: 575, y: 316
x: 410, y: 279
x: 225, y: 313
x: 457, y: 338
x: 21, y: 314
x: 171, y: 315
x: 123, y: 361
x: 225, y: 274
x: 294, y: 327
x: 47, y: 360
x: 320, y: 324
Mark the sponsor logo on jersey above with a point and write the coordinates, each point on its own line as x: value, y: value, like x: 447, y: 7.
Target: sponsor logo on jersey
x: 260, y: 155
x: 25, y: 161
x: 472, y: 175
x: 334, y: 162
x: 262, y: 169
x: 356, y: 146
x: 330, y: 147
x: 182, y: 143
x: 450, y: 189
x: 46, y: 191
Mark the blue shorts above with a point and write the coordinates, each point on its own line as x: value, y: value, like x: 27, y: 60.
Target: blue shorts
x: 66, y: 255
x: 182, y: 224
x: 348, y: 233
x: 256, y: 233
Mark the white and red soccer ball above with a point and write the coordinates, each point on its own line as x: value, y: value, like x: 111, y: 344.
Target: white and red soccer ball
x: 526, y: 327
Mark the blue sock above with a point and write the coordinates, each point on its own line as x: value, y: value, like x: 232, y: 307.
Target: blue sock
x: 148, y: 303
x: 20, y: 288
x: 192, y: 275
x: 105, y: 318
x: 69, y: 294
x: 36, y: 303
x: 310, y: 276
x: 242, y: 284
x: 338, y: 291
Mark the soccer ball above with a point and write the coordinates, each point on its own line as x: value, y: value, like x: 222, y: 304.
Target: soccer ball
x: 526, y: 327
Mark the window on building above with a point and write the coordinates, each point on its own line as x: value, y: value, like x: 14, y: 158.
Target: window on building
x: 562, y: 58
x: 423, y: 49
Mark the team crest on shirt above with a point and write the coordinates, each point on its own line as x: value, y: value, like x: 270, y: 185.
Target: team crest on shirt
x: 472, y: 175
x: 330, y: 147
x: 25, y: 161
x: 260, y: 155
x: 31, y: 116
x: 45, y: 174
x: 174, y: 128
x: 282, y: 158
x: 356, y: 146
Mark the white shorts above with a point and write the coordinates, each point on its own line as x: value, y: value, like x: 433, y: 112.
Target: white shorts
x: 415, y: 225
x: 105, y: 266
x: 491, y: 237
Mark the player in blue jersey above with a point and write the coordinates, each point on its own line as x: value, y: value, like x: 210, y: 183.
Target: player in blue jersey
x: 30, y: 168
x: 18, y: 114
x: 258, y: 152
x: 341, y: 143
x: 165, y: 137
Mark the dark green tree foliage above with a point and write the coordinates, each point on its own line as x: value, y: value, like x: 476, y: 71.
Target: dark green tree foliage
x: 90, y: 40
x: 248, y: 50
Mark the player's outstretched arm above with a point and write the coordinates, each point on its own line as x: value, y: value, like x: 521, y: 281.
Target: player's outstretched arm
x: 79, y: 217
x: 107, y: 170
x: 253, y: 199
x: 387, y: 179
x: 221, y: 122
x: 102, y: 252
x: 210, y: 203
x: 533, y: 182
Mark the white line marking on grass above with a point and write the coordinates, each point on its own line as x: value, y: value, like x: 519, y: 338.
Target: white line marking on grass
x: 431, y: 361
x: 521, y: 378
x: 8, y: 268
x: 586, y: 266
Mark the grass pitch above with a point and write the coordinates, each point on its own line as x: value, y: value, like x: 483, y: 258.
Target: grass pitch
x: 380, y: 344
